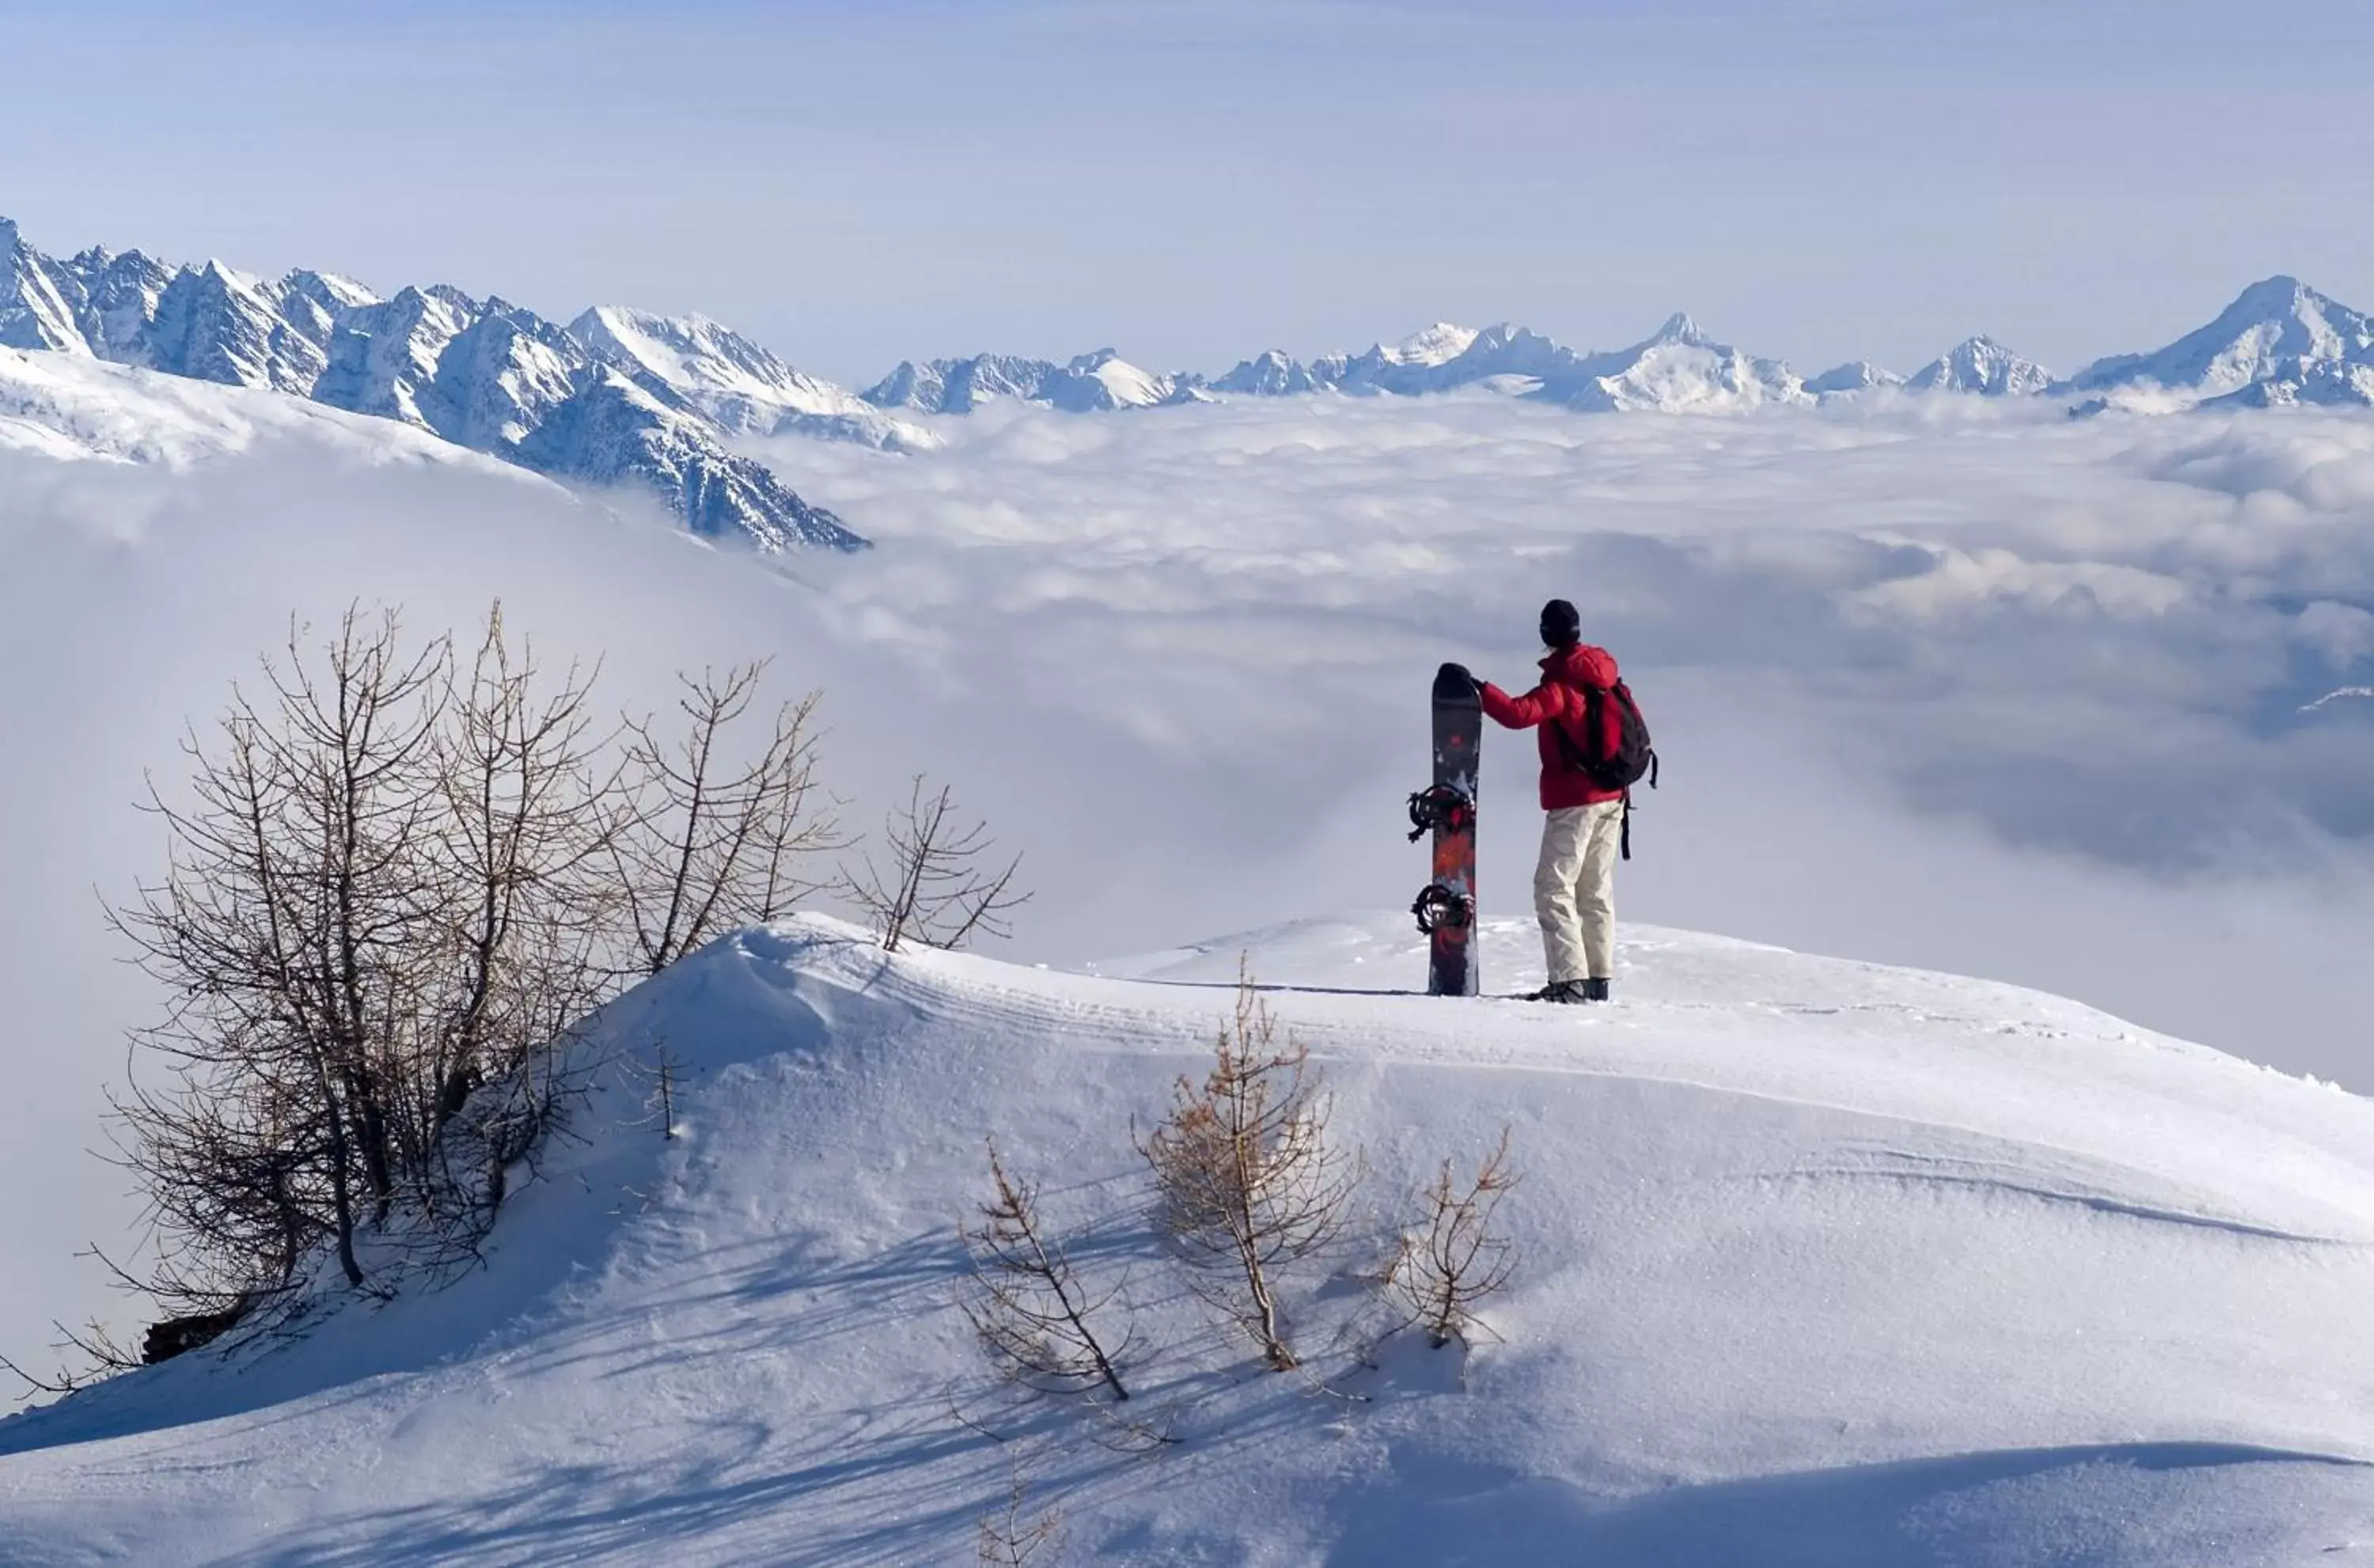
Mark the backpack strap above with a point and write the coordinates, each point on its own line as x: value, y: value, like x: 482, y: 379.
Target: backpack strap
x: 1568, y: 752
x: 1628, y: 825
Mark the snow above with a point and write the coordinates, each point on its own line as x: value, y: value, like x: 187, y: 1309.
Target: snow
x: 33, y: 313
x: 2280, y: 342
x: 1951, y: 679
x: 736, y: 384
x: 1098, y: 381
x: 1436, y: 344
x: 81, y: 409
x: 1821, y: 1263
x: 1678, y: 370
x: 482, y: 373
x: 1981, y: 366
x: 1856, y: 375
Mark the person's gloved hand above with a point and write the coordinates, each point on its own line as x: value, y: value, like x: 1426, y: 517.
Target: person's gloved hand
x: 1462, y: 672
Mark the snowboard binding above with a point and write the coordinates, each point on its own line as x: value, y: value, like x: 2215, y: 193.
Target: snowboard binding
x: 1442, y: 908
x: 1444, y: 808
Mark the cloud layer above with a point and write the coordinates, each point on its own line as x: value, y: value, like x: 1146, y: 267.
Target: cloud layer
x: 2034, y: 686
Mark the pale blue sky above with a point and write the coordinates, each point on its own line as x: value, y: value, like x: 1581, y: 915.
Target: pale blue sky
x: 1192, y: 182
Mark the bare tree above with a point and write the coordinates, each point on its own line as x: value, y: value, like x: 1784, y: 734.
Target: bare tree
x: 288, y: 935
x: 1456, y: 1258
x: 387, y: 905
x: 1027, y: 1302
x: 936, y: 885
x: 1247, y: 1180
x: 704, y: 845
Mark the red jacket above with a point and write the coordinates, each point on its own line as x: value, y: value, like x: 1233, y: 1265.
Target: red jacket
x: 1559, y: 700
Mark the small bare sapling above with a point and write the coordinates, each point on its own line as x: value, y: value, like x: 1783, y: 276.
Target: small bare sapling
x: 1027, y: 1302
x: 1012, y: 1535
x: 1454, y: 1259
x: 936, y: 885
x: 1247, y: 1180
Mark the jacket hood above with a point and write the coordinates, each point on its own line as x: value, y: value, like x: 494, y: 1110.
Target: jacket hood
x: 1582, y: 665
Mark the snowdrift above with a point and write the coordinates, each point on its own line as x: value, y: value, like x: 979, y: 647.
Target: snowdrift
x: 1822, y: 1264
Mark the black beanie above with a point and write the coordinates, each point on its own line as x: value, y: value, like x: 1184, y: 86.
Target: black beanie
x: 1561, y: 625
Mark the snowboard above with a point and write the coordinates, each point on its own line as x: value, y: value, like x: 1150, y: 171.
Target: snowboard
x: 1446, y: 910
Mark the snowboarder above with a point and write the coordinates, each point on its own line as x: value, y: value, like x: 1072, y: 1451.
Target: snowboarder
x: 1586, y: 781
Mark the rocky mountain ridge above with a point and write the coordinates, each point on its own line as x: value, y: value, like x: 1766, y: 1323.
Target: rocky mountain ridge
x: 599, y: 401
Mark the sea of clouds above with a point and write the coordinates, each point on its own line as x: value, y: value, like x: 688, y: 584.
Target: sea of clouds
x: 1935, y: 682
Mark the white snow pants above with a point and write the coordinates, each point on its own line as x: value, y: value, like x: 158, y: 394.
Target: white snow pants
x: 1574, y: 891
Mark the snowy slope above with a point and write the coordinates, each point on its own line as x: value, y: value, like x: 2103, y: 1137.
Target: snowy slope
x: 1823, y: 1264
x: 1855, y: 374
x: 737, y: 384
x: 74, y: 407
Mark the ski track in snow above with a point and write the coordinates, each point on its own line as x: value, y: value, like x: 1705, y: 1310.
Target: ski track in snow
x: 1822, y: 1264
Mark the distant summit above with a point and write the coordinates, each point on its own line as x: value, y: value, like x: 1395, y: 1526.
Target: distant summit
x: 2280, y: 342
x: 1090, y: 383
x: 1981, y: 365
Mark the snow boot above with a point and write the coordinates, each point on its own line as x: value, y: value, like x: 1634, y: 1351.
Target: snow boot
x: 1595, y: 991
x: 1563, y: 991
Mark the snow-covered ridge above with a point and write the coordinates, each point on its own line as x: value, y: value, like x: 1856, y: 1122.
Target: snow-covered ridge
x: 1817, y: 1262
x: 617, y: 398
x: 1089, y: 383
x: 2280, y: 342
x: 75, y: 407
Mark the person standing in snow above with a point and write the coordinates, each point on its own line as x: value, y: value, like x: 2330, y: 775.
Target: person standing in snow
x: 1582, y: 834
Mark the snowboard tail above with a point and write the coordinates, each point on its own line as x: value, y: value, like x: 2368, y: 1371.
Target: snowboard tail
x: 1445, y: 909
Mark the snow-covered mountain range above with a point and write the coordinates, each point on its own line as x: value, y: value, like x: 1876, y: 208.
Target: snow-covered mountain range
x: 1086, y: 385
x: 623, y: 396
x: 617, y: 397
x: 2280, y: 342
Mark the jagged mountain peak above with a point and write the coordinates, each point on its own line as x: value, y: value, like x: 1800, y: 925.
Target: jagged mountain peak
x: 332, y: 291
x: 487, y: 375
x: 35, y: 310
x: 1680, y: 328
x: 1438, y: 343
x: 1981, y: 365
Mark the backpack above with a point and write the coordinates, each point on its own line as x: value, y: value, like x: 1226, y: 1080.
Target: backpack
x: 1632, y: 758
